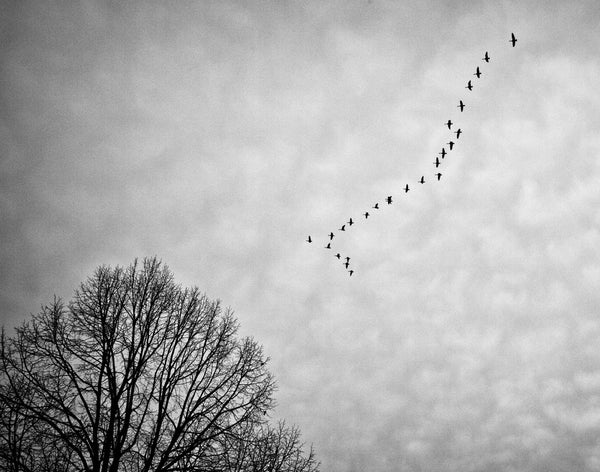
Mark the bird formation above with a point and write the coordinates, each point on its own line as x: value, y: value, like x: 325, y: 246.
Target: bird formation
x: 461, y: 105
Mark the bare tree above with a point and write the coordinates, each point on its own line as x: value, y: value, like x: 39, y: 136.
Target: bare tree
x: 267, y: 449
x: 26, y: 444
x: 135, y: 374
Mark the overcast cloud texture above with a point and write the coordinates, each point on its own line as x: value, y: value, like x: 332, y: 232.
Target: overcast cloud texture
x: 218, y: 135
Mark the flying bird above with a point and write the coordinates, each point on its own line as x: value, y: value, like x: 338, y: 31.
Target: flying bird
x: 343, y: 228
x: 406, y: 189
x: 376, y: 206
x: 422, y: 181
x: 331, y: 235
x: 389, y: 200
x: 437, y: 162
x: 469, y: 86
x: 461, y: 105
x: 449, y: 124
x: 351, y: 272
x: 450, y: 144
x: 366, y: 215
x: 458, y: 133
x: 338, y: 255
x: 346, y: 264
x: 486, y: 58
x: 350, y: 222
x: 513, y: 40
x: 328, y: 246
x: 309, y: 240
x: 347, y: 259
x: 443, y: 153
x: 477, y: 72
x: 439, y: 175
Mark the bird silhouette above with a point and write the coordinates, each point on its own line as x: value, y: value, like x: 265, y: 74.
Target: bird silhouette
x: 461, y: 105
x: 513, y: 40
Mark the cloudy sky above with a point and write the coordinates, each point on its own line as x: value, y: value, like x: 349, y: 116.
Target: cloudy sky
x: 218, y: 135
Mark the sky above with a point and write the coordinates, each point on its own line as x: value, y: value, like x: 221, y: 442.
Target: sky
x: 219, y: 135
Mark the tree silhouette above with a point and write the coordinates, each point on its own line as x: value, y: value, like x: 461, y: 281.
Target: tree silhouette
x: 138, y: 374
x: 270, y: 449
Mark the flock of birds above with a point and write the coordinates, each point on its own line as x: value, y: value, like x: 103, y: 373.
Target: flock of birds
x: 436, y: 163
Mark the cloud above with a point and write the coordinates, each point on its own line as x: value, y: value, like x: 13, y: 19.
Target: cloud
x: 219, y: 135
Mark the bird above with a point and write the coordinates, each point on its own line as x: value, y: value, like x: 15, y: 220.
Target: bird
x: 449, y: 124
x: 450, y: 144
x: 347, y: 259
x: 351, y: 272
x: 422, y: 181
x: 461, y: 105
x: 443, y: 153
x: 437, y: 162
x: 477, y: 72
x: 346, y: 264
x: 309, y: 240
x: 376, y: 206
x: 458, y: 133
x: 486, y: 58
x: 469, y: 85
x: 328, y: 246
x: 512, y: 40
x: 439, y: 175
x: 331, y: 235
x: 406, y: 189
x: 350, y: 223
x: 338, y: 255
x: 366, y: 215
x: 389, y: 200
x: 343, y: 228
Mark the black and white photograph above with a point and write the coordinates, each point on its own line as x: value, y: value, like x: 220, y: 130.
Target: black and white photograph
x: 299, y: 236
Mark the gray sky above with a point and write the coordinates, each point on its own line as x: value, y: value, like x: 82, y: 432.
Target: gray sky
x: 219, y: 135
